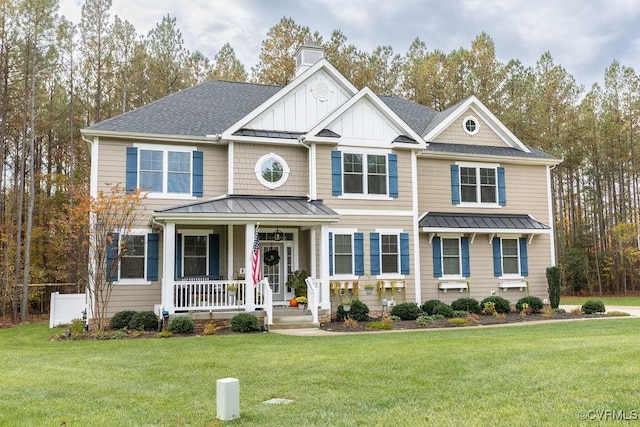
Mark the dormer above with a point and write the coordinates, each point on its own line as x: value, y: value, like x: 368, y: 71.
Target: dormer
x: 307, y: 55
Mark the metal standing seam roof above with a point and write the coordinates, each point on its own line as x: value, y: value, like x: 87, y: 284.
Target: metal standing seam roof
x: 440, y: 220
x: 254, y: 205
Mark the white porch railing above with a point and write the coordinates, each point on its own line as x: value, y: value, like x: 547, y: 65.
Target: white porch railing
x: 313, y: 296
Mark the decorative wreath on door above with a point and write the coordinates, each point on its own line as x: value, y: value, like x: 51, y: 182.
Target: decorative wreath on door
x: 271, y: 257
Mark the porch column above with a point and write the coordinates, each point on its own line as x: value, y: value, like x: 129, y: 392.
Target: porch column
x: 324, y: 267
x: 168, y: 267
x: 249, y: 300
x: 230, y: 272
x: 314, y: 267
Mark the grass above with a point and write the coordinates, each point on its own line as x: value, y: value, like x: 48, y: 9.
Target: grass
x: 622, y: 301
x: 540, y: 374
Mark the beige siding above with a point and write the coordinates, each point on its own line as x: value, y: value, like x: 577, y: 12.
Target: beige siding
x: 324, y: 190
x: 526, y: 190
x: 455, y: 133
x: 482, y: 280
x: 245, y: 180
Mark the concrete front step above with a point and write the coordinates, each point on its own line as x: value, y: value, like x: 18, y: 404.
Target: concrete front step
x: 292, y: 325
x: 292, y: 318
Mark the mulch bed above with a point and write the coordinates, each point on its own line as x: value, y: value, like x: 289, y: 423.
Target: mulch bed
x: 482, y: 320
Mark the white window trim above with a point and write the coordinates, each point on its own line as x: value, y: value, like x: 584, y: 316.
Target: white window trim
x: 451, y: 276
x: 198, y: 233
x: 364, y: 195
x: 510, y: 276
x: 477, y: 167
x: 395, y: 232
x: 285, y: 171
x: 349, y: 231
x: 137, y: 281
x: 464, y: 125
x: 165, y: 170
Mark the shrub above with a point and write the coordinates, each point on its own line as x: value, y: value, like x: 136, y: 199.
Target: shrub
x: 429, y: 305
x: 425, y: 320
x: 444, y: 310
x: 467, y: 304
x: 164, y: 334
x: 501, y: 305
x: 406, y: 311
x: 350, y: 323
x: 211, y: 329
x: 182, y: 325
x: 460, y: 313
x: 458, y: 321
x: 359, y: 311
x: 553, y: 280
x: 379, y: 325
x: 535, y: 304
x: 593, y: 306
x: 244, y: 322
x: 121, y: 319
x: 144, y: 321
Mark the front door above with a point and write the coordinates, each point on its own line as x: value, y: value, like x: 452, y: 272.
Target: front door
x: 276, y: 266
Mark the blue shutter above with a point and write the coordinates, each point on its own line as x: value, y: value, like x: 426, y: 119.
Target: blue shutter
x: 437, y: 256
x: 112, y: 257
x: 497, y: 257
x: 197, y: 174
x: 374, y: 250
x: 464, y: 250
x: 214, y: 256
x: 152, y: 256
x: 178, y: 260
x: 393, y: 175
x: 455, y: 185
x: 502, y: 188
x: 358, y: 253
x: 404, y: 253
x: 330, y: 254
x: 336, y: 173
x: 132, y: 170
x: 524, y: 262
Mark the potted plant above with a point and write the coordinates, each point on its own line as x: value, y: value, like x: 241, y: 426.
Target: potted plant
x: 346, y: 305
x: 296, y: 281
x: 231, y: 293
x: 302, y: 302
x: 368, y: 288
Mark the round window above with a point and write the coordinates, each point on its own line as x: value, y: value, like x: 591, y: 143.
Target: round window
x: 470, y: 125
x: 271, y: 170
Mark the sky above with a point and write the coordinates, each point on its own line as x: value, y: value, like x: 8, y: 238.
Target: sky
x: 583, y: 36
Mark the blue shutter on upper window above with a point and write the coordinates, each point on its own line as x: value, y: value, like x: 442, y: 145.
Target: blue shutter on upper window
x: 214, y: 256
x: 393, y: 175
x: 455, y: 184
x: 374, y: 250
x: 330, y: 254
x: 153, y: 240
x: 524, y: 261
x: 178, y: 258
x: 437, y: 256
x: 336, y: 173
x: 497, y: 257
x: 502, y: 188
x: 405, y: 265
x: 131, y: 170
x: 358, y: 254
x: 112, y: 257
x: 198, y: 172
x: 464, y: 252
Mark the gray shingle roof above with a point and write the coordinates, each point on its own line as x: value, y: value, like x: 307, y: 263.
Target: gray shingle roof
x: 255, y: 205
x: 443, y: 220
x: 415, y: 115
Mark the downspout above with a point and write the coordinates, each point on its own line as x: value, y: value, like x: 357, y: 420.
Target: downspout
x: 552, y: 235
x: 312, y: 170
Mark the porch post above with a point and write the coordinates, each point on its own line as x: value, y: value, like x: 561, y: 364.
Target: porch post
x: 230, y: 272
x: 314, y: 268
x: 249, y: 300
x: 324, y: 268
x: 168, y: 267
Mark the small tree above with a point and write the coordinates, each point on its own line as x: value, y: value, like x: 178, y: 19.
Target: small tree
x: 111, y: 214
x: 553, y: 280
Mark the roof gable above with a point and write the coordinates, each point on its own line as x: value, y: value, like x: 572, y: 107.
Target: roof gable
x: 454, y: 115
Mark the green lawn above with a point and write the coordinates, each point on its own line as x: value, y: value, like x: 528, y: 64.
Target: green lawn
x: 628, y: 301
x: 517, y: 375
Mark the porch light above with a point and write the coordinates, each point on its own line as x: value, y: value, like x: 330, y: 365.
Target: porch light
x: 278, y: 235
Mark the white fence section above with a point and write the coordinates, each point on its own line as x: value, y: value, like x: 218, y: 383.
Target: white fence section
x: 66, y: 307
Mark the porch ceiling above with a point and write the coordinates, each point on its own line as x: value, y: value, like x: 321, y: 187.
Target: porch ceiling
x: 246, y: 209
x: 481, y: 223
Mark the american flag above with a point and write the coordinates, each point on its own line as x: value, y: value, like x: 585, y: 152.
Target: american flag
x: 255, y: 260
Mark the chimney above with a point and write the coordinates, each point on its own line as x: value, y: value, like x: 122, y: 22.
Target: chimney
x: 307, y: 55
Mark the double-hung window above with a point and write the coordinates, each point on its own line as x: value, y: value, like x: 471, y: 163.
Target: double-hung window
x: 195, y: 256
x: 346, y: 253
x: 510, y: 257
x: 343, y: 253
x: 364, y: 174
x: 133, y: 256
x: 451, y: 257
x: 478, y: 185
x: 389, y: 253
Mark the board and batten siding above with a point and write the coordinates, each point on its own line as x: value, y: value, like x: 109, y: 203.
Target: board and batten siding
x: 246, y: 157
x: 455, y: 133
x: 526, y: 190
x: 404, y: 201
x: 482, y: 281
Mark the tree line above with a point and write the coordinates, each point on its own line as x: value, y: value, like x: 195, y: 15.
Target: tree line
x: 57, y: 77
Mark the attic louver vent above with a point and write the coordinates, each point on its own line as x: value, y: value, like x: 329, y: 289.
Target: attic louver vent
x: 321, y: 91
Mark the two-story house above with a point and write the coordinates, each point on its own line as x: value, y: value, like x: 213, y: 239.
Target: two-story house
x: 343, y: 183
